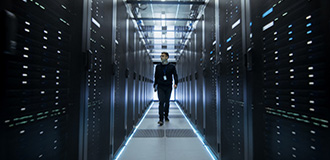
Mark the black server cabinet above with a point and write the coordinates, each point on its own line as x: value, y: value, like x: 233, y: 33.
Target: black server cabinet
x: 199, y: 76
x: 144, y: 79
x: 185, y: 80
x: 179, y: 90
x: 178, y: 93
x: 232, y: 80
x: 180, y: 78
x: 149, y: 97
x: 210, y: 74
x: 194, y: 72
x: 189, y: 89
x: 133, y: 74
x: 98, y: 79
x: 137, y: 78
x: 139, y: 86
x: 142, y: 84
x: 120, y: 128
x: 42, y: 69
x: 291, y: 54
x: 130, y: 77
x: 184, y: 84
x: 192, y: 78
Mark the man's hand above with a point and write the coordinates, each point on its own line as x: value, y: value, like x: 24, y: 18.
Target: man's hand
x: 175, y: 86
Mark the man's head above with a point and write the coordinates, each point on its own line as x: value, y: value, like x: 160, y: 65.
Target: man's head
x: 164, y: 56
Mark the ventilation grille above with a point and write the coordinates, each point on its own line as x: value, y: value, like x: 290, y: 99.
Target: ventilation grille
x: 151, y: 133
x: 180, y: 133
x: 169, y: 116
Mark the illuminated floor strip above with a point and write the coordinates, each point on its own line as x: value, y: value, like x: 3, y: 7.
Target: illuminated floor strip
x: 198, y: 134
x: 130, y: 137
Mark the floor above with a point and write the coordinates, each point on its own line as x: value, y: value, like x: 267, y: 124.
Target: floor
x: 175, y: 140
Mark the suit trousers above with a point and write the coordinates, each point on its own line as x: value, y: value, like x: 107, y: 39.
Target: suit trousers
x: 164, y: 95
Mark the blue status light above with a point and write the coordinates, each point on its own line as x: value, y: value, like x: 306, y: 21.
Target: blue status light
x: 267, y: 12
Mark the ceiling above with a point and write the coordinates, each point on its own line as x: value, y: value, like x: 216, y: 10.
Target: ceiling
x: 165, y: 25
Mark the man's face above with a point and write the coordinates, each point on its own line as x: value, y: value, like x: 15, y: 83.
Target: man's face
x: 163, y: 57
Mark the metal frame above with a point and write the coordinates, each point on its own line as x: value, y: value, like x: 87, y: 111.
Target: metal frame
x: 246, y: 18
x: 113, y: 81
x: 203, y: 80
x: 166, y: 19
x: 165, y: 2
x: 83, y: 135
x: 166, y: 31
x: 167, y: 38
x: 218, y: 93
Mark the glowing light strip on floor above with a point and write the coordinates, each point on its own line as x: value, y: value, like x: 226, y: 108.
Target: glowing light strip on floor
x: 198, y: 134
x: 130, y: 137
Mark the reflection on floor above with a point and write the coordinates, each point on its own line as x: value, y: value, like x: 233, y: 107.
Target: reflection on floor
x: 175, y: 140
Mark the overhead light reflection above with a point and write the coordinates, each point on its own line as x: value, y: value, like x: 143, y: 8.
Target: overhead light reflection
x: 163, y: 16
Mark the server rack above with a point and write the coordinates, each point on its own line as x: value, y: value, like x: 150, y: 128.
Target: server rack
x: 67, y: 67
x: 199, y: 76
x: 185, y: 80
x: 129, y: 75
x: 98, y: 80
x: 291, y: 58
x: 232, y: 80
x: 210, y: 76
x: 136, y: 76
x: 195, y: 73
x: 189, y: 79
x: 43, y: 76
x: 192, y: 80
x: 120, y: 64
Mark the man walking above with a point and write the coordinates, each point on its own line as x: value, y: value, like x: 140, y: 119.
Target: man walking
x: 163, y: 84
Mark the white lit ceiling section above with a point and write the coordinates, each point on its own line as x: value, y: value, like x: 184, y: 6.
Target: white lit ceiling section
x: 165, y: 25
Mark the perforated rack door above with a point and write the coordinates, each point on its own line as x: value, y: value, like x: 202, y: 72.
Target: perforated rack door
x: 40, y: 106
x: 210, y: 75
x: 200, y: 110
x: 291, y: 36
x: 129, y: 76
x: 232, y: 122
x: 192, y: 78
x: 137, y: 77
x: 120, y: 67
x: 98, y: 80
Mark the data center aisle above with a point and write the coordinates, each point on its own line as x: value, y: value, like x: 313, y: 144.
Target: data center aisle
x: 175, y: 140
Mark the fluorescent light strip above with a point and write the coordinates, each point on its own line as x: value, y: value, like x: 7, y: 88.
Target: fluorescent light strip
x: 130, y: 137
x: 198, y: 134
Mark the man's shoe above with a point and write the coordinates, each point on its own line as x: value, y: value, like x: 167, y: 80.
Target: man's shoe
x: 166, y: 119
x: 160, y: 123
